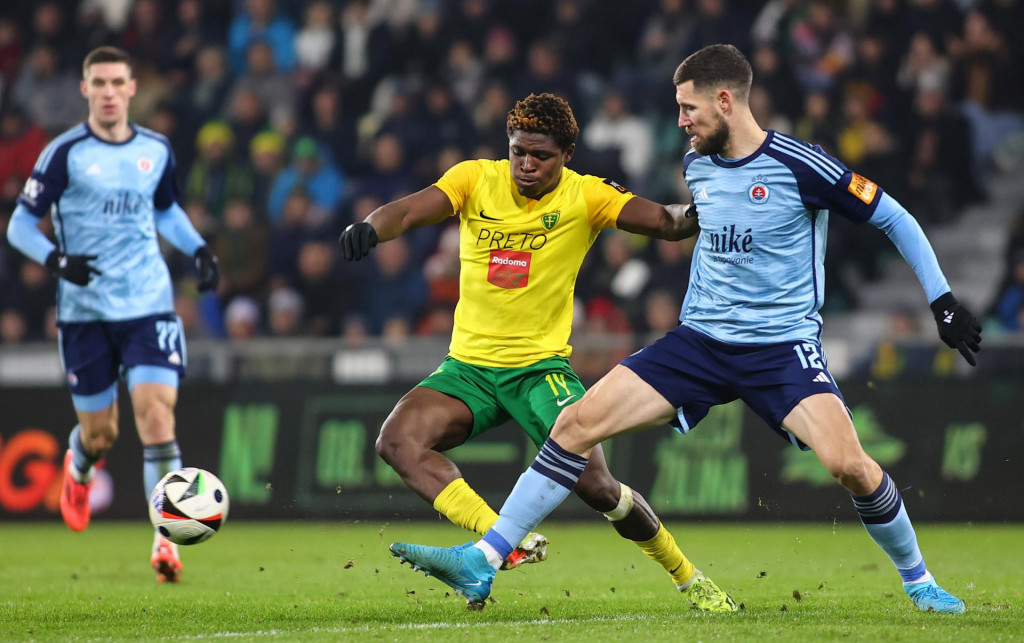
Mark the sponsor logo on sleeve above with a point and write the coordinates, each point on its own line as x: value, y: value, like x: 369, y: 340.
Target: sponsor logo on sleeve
x: 509, y: 269
x: 862, y: 188
x: 616, y: 186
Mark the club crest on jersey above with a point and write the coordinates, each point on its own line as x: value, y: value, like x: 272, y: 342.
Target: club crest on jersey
x: 550, y: 220
x: 758, y: 193
x: 145, y: 165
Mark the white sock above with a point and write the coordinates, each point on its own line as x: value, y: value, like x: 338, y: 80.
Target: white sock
x: 493, y: 557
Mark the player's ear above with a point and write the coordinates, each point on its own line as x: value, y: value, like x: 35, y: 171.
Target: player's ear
x: 133, y: 85
x: 567, y: 154
x: 81, y: 88
x: 724, y: 99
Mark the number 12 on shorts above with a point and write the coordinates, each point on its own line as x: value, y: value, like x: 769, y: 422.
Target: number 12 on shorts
x: 809, y: 356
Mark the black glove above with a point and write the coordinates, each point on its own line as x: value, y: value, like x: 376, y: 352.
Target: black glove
x: 356, y: 241
x: 74, y: 268
x: 691, y: 211
x: 957, y: 326
x: 209, y: 272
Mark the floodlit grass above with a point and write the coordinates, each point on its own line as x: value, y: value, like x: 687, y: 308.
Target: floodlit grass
x: 337, y: 581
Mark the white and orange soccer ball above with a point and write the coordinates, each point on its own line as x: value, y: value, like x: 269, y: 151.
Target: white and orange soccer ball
x: 188, y: 506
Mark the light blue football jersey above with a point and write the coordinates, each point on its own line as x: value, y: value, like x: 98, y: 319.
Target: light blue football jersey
x: 758, y: 272
x: 103, y: 198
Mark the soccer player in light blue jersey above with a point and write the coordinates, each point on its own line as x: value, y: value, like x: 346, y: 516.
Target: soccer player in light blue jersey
x: 749, y: 329
x: 109, y: 187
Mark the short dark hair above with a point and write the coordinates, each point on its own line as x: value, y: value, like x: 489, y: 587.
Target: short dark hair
x: 106, y: 54
x: 544, y: 114
x: 716, y: 66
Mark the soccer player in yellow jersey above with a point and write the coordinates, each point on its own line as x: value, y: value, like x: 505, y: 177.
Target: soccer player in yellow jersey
x: 525, y: 226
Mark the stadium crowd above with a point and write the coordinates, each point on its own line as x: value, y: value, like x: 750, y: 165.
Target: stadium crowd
x: 291, y: 119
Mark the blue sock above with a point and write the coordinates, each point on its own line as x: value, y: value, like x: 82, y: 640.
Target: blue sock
x: 540, y: 489
x: 886, y: 520
x: 82, y: 459
x: 157, y: 461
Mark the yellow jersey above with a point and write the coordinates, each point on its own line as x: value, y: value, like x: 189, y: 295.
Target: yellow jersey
x: 520, y: 258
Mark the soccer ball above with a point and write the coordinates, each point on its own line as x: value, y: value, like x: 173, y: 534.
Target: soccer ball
x: 188, y: 506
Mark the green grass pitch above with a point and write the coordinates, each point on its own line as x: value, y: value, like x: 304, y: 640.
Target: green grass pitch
x: 337, y: 581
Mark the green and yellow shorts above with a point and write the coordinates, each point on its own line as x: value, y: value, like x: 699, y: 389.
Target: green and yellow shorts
x: 531, y: 395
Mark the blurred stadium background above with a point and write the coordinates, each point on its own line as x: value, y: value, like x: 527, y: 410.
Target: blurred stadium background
x: 291, y: 119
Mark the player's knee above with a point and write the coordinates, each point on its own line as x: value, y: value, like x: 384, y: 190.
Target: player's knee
x: 851, y: 472
x: 393, y: 441
x: 100, y: 436
x: 156, y: 424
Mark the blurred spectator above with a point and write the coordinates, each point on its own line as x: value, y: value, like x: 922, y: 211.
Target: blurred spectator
x: 663, y: 41
x: 490, y: 117
x: 330, y: 123
x: 442, y: 268
x: 206, y: 96
x: 818, y: 125
x: 297, y: 227
x: 718, y: 21
x: 266, y: 155
x: 822, y: 46
x: 940, y: 19
x: 144, y: 37
x: 316, y: 40
x: 772, y: 72
x: 247, y: 116
x: 388, y: 176
x: 285, y: 313
x: 20, y: 144
x: 447, y: 120
x: 242, y: 319
x: 501, y: 56
x: 11, y: 49
x: 182, y: 42
x: 464, y: 73
x: 13, y: 328
x: 661, y: 313
x: 395, y: 288
x: 363, y: 54
x: 763, y: 109
x: 33, y: 294
x: 988, y: 83
x: 241, y: 248
x: 1009, y: 300
x: 616, y: 128
x: 545, y: 72
x: 941, y: 178
x: 260, y: 20
x: 325, y: 294
x: 47, y: 92
x: 309, y: 170
x: 274, y: 87
x: 217, y: 176
x: 670, y: 268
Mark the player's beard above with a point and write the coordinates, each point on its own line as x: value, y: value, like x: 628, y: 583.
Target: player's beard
x: 715, y: 142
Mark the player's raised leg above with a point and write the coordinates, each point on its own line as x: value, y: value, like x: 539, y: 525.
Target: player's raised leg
x: 601, y: 414
x: 154, y: 393
x: 91, y: 438
x: 635, y: 520
x: 426, y: 422
x: 823, y: 423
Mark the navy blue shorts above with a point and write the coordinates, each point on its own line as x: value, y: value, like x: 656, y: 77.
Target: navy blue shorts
x: 695, y: 372
x: 95, y: 354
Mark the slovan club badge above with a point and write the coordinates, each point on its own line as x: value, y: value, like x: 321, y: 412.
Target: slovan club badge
x: 550, y: 219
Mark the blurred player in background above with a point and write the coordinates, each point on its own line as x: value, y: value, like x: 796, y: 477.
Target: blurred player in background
x: 525, y: 226
x: 750, y: 328
x: 109, y: 186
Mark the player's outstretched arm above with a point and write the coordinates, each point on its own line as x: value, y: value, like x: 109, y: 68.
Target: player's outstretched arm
x: 426, y: 207
x: 672, y: 222
x: 958, y: 328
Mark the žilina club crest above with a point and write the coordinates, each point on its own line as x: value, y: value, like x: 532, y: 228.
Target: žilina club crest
x: 550, y: 219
